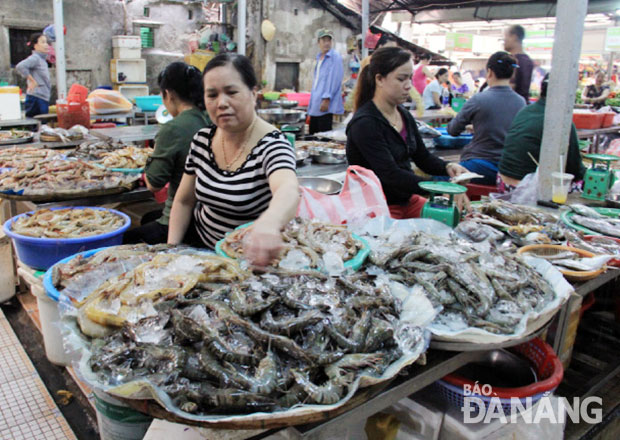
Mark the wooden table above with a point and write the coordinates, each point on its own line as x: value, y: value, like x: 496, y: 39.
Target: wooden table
x: 595, y: 135
x: 134, y: 133
x: 27, y: 122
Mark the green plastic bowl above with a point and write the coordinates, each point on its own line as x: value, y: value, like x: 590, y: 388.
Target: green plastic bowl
x: 354, y: 263
x: 271, y: 96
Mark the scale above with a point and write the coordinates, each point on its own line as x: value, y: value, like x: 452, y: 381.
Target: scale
x: 599, y: 177
x: 439, y: 208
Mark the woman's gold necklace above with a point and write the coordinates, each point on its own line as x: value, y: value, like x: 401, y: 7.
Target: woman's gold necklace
x: 390, y: 121
x: 228, y: 165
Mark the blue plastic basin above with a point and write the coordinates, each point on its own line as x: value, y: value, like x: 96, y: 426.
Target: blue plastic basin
x: 448, y: 141
x: 149, y: 103
x: 48, y: 284
x: 41, y: 253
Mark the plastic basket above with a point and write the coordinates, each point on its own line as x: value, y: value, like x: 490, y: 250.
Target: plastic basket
x: 149, y: 103
x: 588, y: 121
x: 475, y: 192
x: 608, y: 119
x: 548, y: 368
x: 303, y: 99
x: 41, y: 253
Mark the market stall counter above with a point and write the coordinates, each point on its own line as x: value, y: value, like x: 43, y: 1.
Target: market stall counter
x: 596, y: 135
x: 134, y: 133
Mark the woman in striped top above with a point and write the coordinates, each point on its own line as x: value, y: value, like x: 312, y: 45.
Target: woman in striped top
x: 240, y: 170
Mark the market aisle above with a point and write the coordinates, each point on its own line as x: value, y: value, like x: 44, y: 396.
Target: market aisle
x: 27, y: 410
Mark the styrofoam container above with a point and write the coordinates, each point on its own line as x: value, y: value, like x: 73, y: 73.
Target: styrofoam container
x: 126, y: 52
x: 50, y: 326
x: 118, y: 421
x: 130, y: 91
x: 129, y: 41
x: 7, y: 280
x: 128, y: 71
x: 9, y: 103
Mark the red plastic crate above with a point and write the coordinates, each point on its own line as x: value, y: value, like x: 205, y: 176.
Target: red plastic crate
x: 608, y: 119
x: 303, y: 99
x: 588, y: 121
x: 475, y: 192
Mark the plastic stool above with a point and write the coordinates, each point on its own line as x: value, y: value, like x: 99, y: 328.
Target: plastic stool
x: 475, y: 192
x: 103, y: 125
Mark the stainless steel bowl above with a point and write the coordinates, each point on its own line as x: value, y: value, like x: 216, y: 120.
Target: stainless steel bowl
x: 321, y: 184
x: 281, y: 116
x: 285, y: 103
x: 301, y: 155
x: 327, y: 156
x: 613, y: 200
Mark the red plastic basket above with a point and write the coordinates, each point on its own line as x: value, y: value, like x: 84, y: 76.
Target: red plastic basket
x: 549, y: 369
x: 303, y: 99
x: 475, y: 192
x: 588, y: 121
x: 608, y: 119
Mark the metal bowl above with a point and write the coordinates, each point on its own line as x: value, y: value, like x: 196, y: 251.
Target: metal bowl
x: 285, y: 103
x: 281, y: 116
x: 327, y: 156
x: 321, y: 184
x: 301, y: 155
x: 613, y: 201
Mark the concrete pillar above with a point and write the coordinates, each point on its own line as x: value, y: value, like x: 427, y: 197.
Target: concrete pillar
x: 61, y: 64
x: 364, y: 27
x: 241, y: 11
x: 561, y: 90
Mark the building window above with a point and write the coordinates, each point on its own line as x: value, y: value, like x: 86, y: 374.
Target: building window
x: 18, y: 39
x: 287, y: 76
x: 148, y: 36
x: 147, y: 12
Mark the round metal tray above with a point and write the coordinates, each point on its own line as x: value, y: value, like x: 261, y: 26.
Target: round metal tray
x: 470, y: 346
x: 14, y: 141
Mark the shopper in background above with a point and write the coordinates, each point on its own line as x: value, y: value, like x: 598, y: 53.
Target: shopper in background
x: 435, y: 92
x: 421, y: 72
x: 326, y: 95
x: 596, y: 93
x: 459, y: 88
x: 34, y: 69
x: 384, y: 41
x: 383, y: 136
x: 242, y: 169
x: 183, y: 96
x: 513, y: 43
x: 491, y: 114
x: 523, y: 141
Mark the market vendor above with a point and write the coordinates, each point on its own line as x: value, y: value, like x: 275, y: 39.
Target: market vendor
x: 242, y: 169
x: 459, y: 88
x: 491, y: 114
x: 596, y: 93
x: 383, y: 136
x: 435, y: 92
x: 183, y: 97
x: 523, y: 141
x: 35, y: 70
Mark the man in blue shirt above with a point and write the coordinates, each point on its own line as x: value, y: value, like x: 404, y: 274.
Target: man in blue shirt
x: 326, y: 95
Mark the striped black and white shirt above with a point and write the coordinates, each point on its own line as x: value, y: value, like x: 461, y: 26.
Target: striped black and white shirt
x: 227, y: 199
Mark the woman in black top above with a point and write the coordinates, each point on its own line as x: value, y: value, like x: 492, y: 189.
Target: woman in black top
x: 383, y: 136
x: 596, y: 93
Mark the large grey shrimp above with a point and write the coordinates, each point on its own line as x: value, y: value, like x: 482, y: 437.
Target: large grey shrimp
x: 328, y: 393
x: 245, y: 305
x: 288, y: 326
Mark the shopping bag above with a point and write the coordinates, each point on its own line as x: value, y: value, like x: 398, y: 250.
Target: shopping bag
x: 361, y: 198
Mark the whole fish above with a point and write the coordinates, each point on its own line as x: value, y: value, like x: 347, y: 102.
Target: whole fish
x: 586, y: 211
x: 605, y: 226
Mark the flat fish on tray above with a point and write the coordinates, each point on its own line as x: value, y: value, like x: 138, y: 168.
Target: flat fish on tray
x: 606, y: 226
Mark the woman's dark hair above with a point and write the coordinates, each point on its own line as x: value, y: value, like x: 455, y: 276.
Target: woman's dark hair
x: 382, y: 62
x: 441, y: 72
x: 425, y: 56
x: 241, y: 64
x: 185, y: 81
x: 502, y: 64
x: 543, y: 86
x: 34, y: 39
x: 383, y: 40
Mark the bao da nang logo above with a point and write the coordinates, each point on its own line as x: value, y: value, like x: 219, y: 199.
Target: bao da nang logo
x: 479, y: 406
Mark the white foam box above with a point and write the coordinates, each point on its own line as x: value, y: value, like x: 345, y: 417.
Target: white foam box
x: 9, y: 103
x: 127, y: 41
x: 132, y: 70
x: 123, y: 53
x: 130, y: 91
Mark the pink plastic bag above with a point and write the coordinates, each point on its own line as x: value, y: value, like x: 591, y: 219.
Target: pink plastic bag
x: 361, y: 197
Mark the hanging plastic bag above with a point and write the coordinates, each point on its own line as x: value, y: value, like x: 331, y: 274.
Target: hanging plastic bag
x: 361, y: 198
x: 105, y: 102
x: 525, y: 193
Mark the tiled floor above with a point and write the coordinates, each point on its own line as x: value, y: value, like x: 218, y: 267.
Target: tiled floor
x: 27, y: 411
